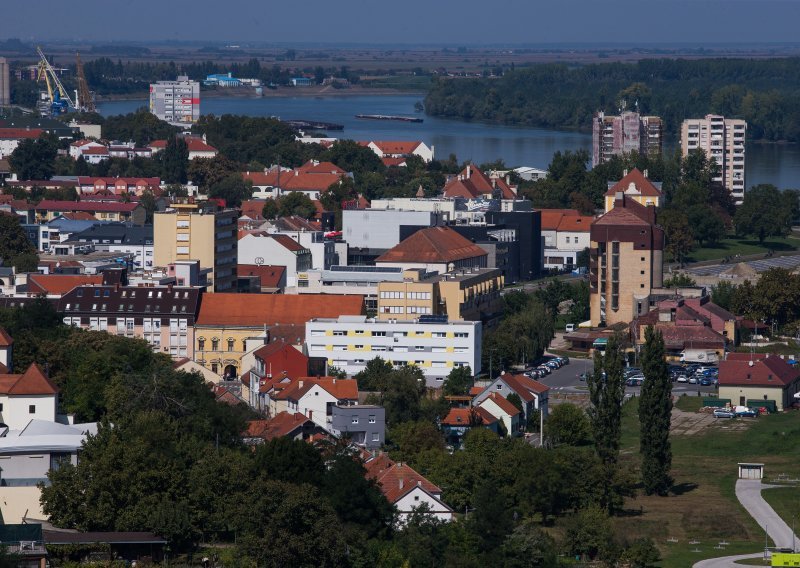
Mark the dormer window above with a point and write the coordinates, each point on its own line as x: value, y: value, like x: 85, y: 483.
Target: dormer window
x: 80, y: 292
x: 97, y: 293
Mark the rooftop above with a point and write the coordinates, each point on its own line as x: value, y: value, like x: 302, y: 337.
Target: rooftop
x: 257, y: 310
x: 433, y: 245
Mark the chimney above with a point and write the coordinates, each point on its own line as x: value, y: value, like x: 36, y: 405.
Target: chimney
x: 301, y: 384
x: 469, y: 171
x: 402, y: 483
x: 645, y: 172
x: 311, y: 415
x: 624, y: 172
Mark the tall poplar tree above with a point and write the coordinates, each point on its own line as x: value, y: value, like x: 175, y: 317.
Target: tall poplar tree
x: 655, y: 408
x: 606, y: 394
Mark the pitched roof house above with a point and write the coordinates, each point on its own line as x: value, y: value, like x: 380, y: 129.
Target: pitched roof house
x: 472, y: 183
x: 295, y: 426
x: 759, y: 379
x: 435, y: 249
x: 636, y: 185
x: 533, y: 394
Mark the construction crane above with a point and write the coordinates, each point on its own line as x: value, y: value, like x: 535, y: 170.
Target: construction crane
x: 58, y: 101
x: 84, y: 100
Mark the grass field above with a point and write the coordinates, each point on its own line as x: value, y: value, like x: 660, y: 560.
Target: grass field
x: 786, y: 502
x: 689, y: 403
x: 733, y: 246
x: 703, y: 505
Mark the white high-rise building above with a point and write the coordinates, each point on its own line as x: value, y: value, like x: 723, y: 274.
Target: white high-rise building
x: 176, y: 102
x: 722, y: 139
x: 5, y: 87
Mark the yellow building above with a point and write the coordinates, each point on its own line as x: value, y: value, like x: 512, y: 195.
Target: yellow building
x: 190, y: 231
x: 226, y: 321
x: 472, y: 295
x: 625, y: 262
x: 758, y: 380
x: 635, y: 185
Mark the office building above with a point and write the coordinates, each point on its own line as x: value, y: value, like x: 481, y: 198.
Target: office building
x: 5, y: 86
x: 722, y: 139
x: 176, y: 102
x: 625, y: 262
x: 625, y: 133
x: 431, y: 343
x: 187, y: 231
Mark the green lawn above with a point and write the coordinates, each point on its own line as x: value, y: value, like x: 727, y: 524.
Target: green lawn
x: 786, y: 502
x: 733, y: 246
x: 703, y: 506
x: 689, y: 403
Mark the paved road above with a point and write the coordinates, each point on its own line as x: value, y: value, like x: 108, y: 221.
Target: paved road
x: 566, y: 379
x: 748, y: 491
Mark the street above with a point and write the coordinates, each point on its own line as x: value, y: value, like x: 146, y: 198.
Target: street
x: 566, y: 379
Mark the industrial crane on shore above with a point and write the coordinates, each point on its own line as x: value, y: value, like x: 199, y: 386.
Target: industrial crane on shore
x: 57, y: 101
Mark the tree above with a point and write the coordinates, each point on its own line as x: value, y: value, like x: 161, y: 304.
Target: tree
x: 567, y: 424
x: 413, y: 438
x: 492, y: 520
x: 233, y: 189
x: 174, y: 160
x: 270, y: 210
x: 766, y: 212
x: 514, y: 399
x: 206, y: 172
x: 148, y: 202
x: 655, y: 408
x: 528, y: 546
x: 606, y: 393
x: 293, y: 461
x: 401, y: 395
x: 375, y: 375
x: 296, y: 203
x: 679, y: 280
x: 677, y: 233
x: 33, y: 159
x: 458, y: 382
x: 722, y: 294
x: 15, y: 248
x: 588, y: 533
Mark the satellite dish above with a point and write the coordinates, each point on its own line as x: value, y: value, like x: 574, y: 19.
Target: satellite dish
x: 259, y: 260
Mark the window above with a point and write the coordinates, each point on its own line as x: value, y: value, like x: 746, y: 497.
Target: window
x: 419, y: 348
x: 461, y: 334
x: 339, y: 333
x: 354, y: 420
x: 317, y: 332
x: 376, y: 437
x: 377, y: 334
x: 371, y: 418
x: 214, y: 367
x: 31, y: 409
x: 438, y: 334
x: 230, y: 344
x: 215, y: 344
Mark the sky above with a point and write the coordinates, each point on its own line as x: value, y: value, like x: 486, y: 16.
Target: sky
x: 452, y: 22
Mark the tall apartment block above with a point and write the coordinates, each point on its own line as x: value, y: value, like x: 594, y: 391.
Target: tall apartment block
x: 5, y: 86
x: 176, y: 102
x: 628, y: 132
x: 186, y: 231
x: 723, y: 140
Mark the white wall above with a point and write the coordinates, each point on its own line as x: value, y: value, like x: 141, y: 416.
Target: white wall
x: 413, y: 499
x: 268, y: 251
x: 16, y: 409
x: 314, y: 405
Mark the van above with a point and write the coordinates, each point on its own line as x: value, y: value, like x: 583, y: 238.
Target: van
x: 570, y: 327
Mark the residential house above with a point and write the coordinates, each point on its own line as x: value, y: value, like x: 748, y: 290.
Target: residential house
x: 459, y: 421
x: 720, y: 319
x: 637, y: 186
x: 533, y: 394
x: 439, y: 249
x: 197, y: 146
x: 292, y: 425
x: 759, y: 380
x: 11, y: 137
x: 406, y: 489
x: 509, y: 415
x: 363, y: 424
x: 123, y: 238
x: 118, y: 186
x: 271, y: 278
x: 400, y: 149
x: 274, y: 360
x: 49, y: 209
x: 128, y: 150
x: 565, y: 233
x: 226, y: 321
x: 162, y: 315
x: 681, y: 326
x: 281, y: 250
x: 56, y: 285
x: 472, y: 183
x: 91, y: 151
x: 315, y: 397
x: 309, y: 235
x: 312, y: 178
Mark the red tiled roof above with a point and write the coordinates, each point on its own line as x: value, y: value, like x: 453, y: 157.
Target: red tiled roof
x: 152, y: 182
x: 472, y: 183
x: 526, y: 388
x: 698, y: 336
x: 60, y: 284
x: 397, y: 479
x: 771, y: 371
x: 434, y: 244
x: 282, y: 360
x: 282, y: 424
x: 397, y: 146
x: 475, y: 391
x: 98, y: 150
x: 197, y: 145
x: 31, y: 382
x: 294, y: 180
x: 5, y: 339
x: 631, y: 212
x: 288, y: 242
x: 257, y: 310
x: 20, y: 133
x: 253, y: 208
x: 552, y: 217
x: 575, y: 223
x: 396, y: 162
x: 321, y: 168
x: 475, y: 416
x: 340, y: 389
x: 271, y: 276
x: 78, y: 216
x: 503, y: 403
x: 104, y: 206
x: 643, y: 185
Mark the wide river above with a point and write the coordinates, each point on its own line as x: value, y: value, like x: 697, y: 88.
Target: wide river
x: 517, y: 146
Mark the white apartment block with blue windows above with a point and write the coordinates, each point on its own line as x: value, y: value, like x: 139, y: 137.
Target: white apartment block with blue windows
x: 431, y: 343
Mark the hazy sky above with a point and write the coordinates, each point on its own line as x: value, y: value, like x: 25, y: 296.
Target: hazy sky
x: 456, y: 22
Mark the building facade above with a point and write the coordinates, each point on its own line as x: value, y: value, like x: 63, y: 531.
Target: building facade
x: 364, y: 425
x: 625, y: 133
x: 176, y: 102
x: 722, y: 139
x: 625, y: 262
x: 349, y: 343
x: 188, y: 232
x: 5, y: 85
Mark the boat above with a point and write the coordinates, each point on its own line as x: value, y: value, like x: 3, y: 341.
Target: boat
x: 389, y: 117
x: 313, y: 125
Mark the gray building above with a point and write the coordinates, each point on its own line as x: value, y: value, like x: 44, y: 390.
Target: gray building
x: 361, y: 280
x: 365, y: 424
x: 5, y: 87
x: 379, y: 229
x: 176, y: 102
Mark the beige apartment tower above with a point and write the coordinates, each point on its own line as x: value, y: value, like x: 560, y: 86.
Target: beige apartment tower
x: 722, y: 139
x: 5, y: 86
x: 188, y: 232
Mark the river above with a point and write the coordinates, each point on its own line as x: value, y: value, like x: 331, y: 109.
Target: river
x: 778, y: 164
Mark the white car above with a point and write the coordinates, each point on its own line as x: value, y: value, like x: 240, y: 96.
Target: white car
x: 682, y: 379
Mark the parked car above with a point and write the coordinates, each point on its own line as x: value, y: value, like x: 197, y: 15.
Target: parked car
x: 634, y: 382
x: 693, y: 380
x: 705, y: 381
x: 570, y: 328
x: 583, y: 376
x: 723, y: 413
x: 747, y: 413
x: 544, y: 369
x: 682, y: 379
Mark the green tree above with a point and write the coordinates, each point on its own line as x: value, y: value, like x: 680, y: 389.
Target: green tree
x: 655, y: 408
x: 677, y: 233
x: 514, y: 399
x: 708, y: 227
x: 148, y: 202
x: 606, y: 393
x: 413, y: 438
x: 375, y: 375
x: 528, y: 546
x: 567, y: 424
x: 207, y: 172
x: 458, y: 382
x: 401, y: 395
x: 679, y: 280
x: 293, y: 461
x: 296, y: 203
x: 34, y: 159
x: 588, y: 533
x: 233, y: 189
x: 642, y: 553
x: 174, y: 160
x: 722, y: 294
x: 15, y: 248
x: 270, y: 210
x: 766, y: 212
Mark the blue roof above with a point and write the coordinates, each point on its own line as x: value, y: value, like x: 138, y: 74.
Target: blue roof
x: 72, y: 226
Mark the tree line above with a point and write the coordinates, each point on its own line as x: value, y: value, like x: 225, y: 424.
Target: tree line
x: 763, y: 92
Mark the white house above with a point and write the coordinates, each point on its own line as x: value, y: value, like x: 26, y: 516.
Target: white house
x: 26, y: 397
x: 11, y: 137
x: 400, y: 149
x: 565, y: 233
x: 276, y: 250
x: 533, y: 394
x: 93, y: 152
x: 498, y: 406
x: 313, y: 396
x: 435, y: 346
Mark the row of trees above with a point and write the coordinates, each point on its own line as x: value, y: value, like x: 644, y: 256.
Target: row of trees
x: 563, y: 96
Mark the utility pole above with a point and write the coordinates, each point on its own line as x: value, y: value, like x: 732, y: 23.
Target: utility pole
x: 541, y: 422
